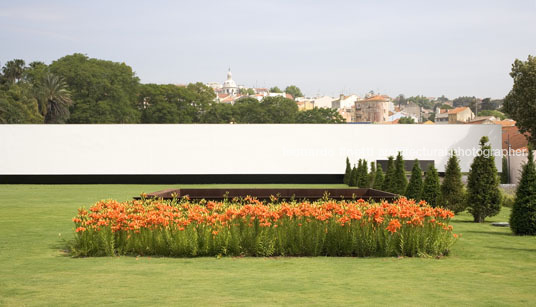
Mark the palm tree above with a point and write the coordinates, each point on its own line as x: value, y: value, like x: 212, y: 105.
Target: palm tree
x: 13, y: 70
x: 55, y: 100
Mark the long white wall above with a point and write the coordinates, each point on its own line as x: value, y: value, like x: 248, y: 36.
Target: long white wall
x: 226, y: 149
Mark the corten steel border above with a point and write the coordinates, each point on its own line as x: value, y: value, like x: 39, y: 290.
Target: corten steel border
x: 263, y: 194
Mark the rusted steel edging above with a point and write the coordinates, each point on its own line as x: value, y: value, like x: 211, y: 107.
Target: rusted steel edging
x: 267, y: 193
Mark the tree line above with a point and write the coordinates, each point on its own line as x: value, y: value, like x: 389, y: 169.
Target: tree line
x: 482, y: 197
x: 81, y: 90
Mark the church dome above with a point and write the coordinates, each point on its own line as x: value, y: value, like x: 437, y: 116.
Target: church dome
x: 229, y: 83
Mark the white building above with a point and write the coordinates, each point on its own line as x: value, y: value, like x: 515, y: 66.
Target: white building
x: 323, y: 101
x: 229, y: 86
x: 344, y: 102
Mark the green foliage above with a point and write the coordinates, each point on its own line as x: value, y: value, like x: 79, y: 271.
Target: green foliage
x: 406, y: 120
x: 371, y: 175
x: 280, y: 109
x: 247, y: 91
x: 414, y: 189
x: 519, y: 103
x: 378, y: 178
x: 452, y: 188
x: 399, y: 181
x: 18, y: 104
x: 495, y: 113
x: 484, y: 198
x: 389, y: 179
x: 275, y: 89
x: 422, y: 101
x: 507, y: 200
x: 431, y: 189
x: 362, y: 174
x: 505, y: 176
x: 13, y: 70
x: 523, y: 216
x: 353, y: 177
x: 101, y: 91
x: 464, y: 101
x: 491, y: 104
x: 56, y: 98
x: 347, y: 172
x: 319, y: 116
x: 294, y: 91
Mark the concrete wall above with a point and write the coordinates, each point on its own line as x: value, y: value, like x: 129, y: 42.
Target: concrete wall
x: 226, y: 149
x: 516, y: 167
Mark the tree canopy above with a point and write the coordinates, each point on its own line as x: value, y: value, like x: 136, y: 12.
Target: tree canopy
x: 520, y: 103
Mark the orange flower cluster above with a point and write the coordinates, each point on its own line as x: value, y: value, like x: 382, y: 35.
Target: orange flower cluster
x: 150, y: 214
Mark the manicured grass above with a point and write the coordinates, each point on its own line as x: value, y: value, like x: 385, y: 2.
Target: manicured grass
x: 488, y: 265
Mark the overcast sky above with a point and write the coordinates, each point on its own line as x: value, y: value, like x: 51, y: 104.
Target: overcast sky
x: 455, y: 48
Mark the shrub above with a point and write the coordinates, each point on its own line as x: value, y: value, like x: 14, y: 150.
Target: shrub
x: 452, y: 188
x: 379, y: 178
x: 348, y: 172
x: 414, y: 188
x: 388, y: 180
x: 362, y: 179
x: 483, y: 195
x: 249, y: 227
x: 431, y: 189
x: 507, y: 200
x: 523, y: 216
x: 371, y: 175
x: 353, y: 177
x: 505, y: 176
x: 400, y: 181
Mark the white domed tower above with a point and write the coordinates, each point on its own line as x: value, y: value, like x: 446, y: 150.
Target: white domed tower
x: 229, y: 86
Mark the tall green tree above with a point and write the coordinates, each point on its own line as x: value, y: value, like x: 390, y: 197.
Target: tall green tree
x: 13, y: 70
x: 347, y: 172
x: 400, y: 181
x: 353, y: 177
x: 19, y: 105
x: 379, y: 178
x: 414, y: 189
x: 505, y: 176
x: 372, y: 175
x: 280, y: 110
x: 294, y: 91
x: 452, y: 188
x: 520, y: 104
x: 484, y: 198
x: 389, y: 179
x: 101, y: 91
x: 275, y: 89
x: 362, y: 176
x: 523, y: 216
x: 431, y: 189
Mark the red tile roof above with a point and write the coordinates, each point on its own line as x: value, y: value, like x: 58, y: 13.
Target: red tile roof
x: 457, y: 110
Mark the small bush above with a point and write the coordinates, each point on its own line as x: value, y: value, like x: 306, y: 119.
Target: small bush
x: 507, y: 200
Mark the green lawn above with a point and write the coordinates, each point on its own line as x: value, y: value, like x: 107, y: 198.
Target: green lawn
x: 488, y: 265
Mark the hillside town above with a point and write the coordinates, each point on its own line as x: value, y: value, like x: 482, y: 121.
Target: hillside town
x: 376, y: 108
